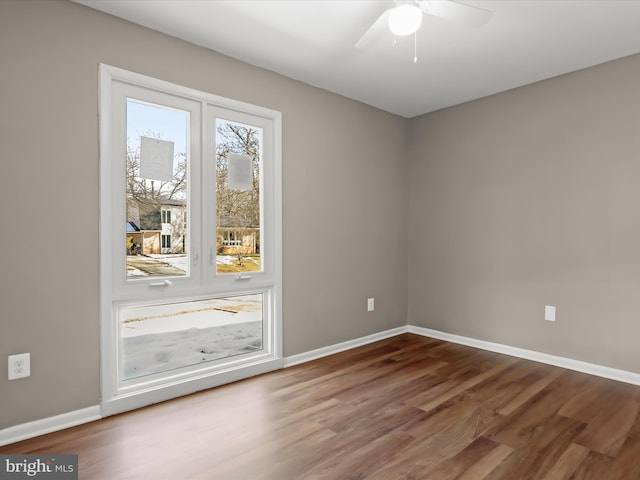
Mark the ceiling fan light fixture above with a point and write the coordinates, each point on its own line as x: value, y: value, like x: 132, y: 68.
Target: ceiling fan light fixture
x: 405, y: 19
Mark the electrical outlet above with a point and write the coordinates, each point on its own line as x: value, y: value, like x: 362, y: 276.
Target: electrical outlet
x: 19, y: 366
x: 370, y: 305
x: 550, y: 313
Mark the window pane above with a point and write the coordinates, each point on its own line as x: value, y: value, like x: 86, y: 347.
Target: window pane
x: 238, y: 196
x: 160, y: 338
x: 157, y: 191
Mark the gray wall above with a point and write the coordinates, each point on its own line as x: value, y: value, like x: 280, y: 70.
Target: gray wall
x: 344, y: 197
x: 531, y: 198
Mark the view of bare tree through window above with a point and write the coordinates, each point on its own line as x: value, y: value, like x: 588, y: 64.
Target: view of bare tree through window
x: 157, y: 233
x: 156, y: 189
x: 238, y: 206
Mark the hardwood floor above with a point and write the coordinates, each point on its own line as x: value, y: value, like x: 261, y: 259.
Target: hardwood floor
x: 408, y: 407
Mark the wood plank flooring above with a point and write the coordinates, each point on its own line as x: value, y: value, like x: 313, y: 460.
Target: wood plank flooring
x: 408, y: 407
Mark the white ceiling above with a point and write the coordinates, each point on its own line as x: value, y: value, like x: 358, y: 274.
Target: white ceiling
x: 314, y: 41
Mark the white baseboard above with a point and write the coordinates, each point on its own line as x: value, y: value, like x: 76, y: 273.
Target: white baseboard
x: 48, y: 425
x: 85, y: 415
x: 568, y: 363
x: 59, y: 422
x: 341, y: 347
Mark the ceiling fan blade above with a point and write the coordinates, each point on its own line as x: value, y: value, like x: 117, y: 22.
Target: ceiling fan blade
x: 456, y: 12
x: 375, y: 31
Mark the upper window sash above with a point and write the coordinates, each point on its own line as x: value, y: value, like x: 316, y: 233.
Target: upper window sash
x: 117, y: 86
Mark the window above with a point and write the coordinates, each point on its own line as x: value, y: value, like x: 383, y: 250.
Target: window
x: 212, y: 165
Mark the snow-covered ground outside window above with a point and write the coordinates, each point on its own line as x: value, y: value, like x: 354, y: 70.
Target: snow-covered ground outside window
x: 163, y: 337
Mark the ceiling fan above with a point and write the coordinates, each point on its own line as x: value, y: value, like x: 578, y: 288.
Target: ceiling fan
x: 405, y: 18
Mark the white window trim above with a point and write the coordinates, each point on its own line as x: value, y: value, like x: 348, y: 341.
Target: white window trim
x: 116, y: 398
